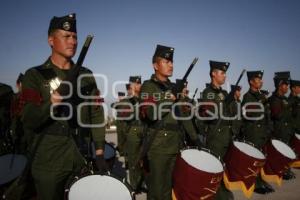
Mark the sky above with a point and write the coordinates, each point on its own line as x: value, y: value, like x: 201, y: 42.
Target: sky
x: 250, y: 34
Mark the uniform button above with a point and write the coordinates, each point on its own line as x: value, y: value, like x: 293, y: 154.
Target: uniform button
x: 219, y: 130
x: 134, y: 129
x: 165, y: 134
x: 285, y: 123
x: 258, y: 125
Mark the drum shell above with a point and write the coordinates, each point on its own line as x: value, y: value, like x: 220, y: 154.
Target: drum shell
x: 276, y: 163
x: 190, y: 183
x: 242, y: 167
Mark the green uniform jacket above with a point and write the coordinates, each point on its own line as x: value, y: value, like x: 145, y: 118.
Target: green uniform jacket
x: 294, y: 101
x: 168, y: 139
x: 281, y: 115
x: 256, y: 131
x: 58, y: 150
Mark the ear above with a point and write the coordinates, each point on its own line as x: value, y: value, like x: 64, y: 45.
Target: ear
x: 155, y: 66
x: 50, y: 40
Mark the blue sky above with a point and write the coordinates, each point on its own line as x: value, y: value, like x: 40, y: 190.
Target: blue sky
x: 250, y: 34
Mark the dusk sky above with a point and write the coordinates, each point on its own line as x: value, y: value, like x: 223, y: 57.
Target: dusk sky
x: 255, y: 35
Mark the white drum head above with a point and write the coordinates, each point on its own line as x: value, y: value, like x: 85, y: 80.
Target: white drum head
x: 297, y: 136
x: 249, y: 150
x: 97, y: 187
x: 284, y: 149
x: 202, y: 160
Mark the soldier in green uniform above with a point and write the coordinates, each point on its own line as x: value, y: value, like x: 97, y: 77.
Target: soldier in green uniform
x: 294, y: 101
x: 218, y: 138
x: 134, y: 131
x: 57, y: 157
x: 158, y: 94
x: 281, y: 113
x: 256, y: 130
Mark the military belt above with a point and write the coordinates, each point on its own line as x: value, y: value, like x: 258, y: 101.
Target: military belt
x: 60, y: 130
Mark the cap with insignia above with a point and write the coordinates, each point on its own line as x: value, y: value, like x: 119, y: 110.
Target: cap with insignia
x: 163, y: 52
x: 281, y: 77
x: 294, y: 83
x: 66, y: 23
x: 20, y: 78
x: 255, y: 74
x: 121, y: 94
x: 234, y: 88
x: 219, y: 65
x: 127, y: 86
x: 135, y: 79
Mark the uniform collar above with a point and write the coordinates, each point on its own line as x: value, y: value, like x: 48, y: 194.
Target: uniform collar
x: 49, y: 64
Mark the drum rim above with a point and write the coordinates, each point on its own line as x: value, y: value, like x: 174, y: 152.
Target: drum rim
x: 286, y: 145
x: 206, y: 151
x: 92, y: 173
x: 297, y: 135
x: 251, y: 145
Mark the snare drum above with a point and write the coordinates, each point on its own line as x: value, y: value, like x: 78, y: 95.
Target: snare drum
x: 197, y: 174
x: 243, y: 163
x: 296, y: 147
x: 279, y: 157
x: 98, y: 187
x: 11, y: 166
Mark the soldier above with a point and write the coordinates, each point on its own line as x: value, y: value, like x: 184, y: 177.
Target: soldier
x: 281, y: 113
x: 134, y: 133
x: 218, y: 138
x: 254, y: 130
x: 56, y: 157
x: 294, y: 101
x: 157, y: 96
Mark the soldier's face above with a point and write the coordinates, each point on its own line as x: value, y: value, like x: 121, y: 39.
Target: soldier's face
x: 296, y: 90
x: 238, y: 94
x: 219, y: 76
x: 164, y: 67
x: 284, y: 88
x: 63, y: 43
x: 256, y: 83
x: 136, y: 87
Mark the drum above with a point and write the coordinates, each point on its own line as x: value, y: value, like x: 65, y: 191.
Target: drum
x: 279, y: 157
x: 197, y: 175
x: 296, y: 147
x: 11, y: 166
x: 97, y: 187
x: 243, y: 163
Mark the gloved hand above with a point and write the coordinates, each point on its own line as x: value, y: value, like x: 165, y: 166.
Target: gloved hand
x: 101, y: 164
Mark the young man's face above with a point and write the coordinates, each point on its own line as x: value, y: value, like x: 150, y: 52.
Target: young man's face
x: 219, y: 76
x: 284, y: 88
x: 63, y: 43
x: 296, y: 90
x: 237, y: 93
x: 164, y: 67
x: 136, y: 87
x: 256, y: 83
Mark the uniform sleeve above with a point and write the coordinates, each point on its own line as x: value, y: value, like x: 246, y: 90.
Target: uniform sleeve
x: 36, y: 107
x: 276, y: 109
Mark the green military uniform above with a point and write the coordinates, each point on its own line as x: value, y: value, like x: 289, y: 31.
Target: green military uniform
x: 256, y: 131
x: 294, y: 101
x: 168, y: 137
x: 281, y: 110
x: 218, y: 138
x: 6, y: 94
x: 57, y: 156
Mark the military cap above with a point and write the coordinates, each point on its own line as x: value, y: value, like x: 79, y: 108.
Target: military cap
x: 234, y: 87
x: 127, y: 86
x: 294, y: 83
x: 121, y: 94
x: 66, y: 23
x: 20, y: 78
x: 255, y: 74
x: 163, y: 52
x: 219, y: 65
x: 281, y: 77
x: 135, y: 79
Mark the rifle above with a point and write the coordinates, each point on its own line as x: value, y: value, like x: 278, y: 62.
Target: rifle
x: 194, y: 95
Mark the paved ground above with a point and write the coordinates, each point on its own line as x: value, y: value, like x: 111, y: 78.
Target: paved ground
x: 290, y: 190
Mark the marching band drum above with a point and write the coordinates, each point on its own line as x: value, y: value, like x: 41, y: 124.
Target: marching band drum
x: 295, y: 144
